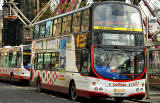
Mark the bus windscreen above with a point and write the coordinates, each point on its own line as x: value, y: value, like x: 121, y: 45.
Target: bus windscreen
x: 117, y: 17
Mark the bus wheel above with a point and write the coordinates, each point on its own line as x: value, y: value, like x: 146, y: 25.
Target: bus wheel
x: 119, y: 99
x: 73, y: 93
x: 39, y: 89
x: 12, y: 79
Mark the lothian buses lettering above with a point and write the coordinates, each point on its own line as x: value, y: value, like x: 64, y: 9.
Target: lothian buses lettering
x: 119, y: 84
x: 117, y: 28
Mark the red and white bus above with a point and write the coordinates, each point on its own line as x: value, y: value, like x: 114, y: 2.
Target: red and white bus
x: 95, y: 51
x: 15, y: 63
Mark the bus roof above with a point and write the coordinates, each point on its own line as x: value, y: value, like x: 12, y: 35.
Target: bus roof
x: 65, y: 14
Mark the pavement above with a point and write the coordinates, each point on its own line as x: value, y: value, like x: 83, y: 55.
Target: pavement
x: 154, y: 95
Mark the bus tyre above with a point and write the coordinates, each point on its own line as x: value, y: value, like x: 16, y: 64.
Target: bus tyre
x: 12, y: 79
x: 73, y: 93
x: 118, y: 99
x: 39, y: 89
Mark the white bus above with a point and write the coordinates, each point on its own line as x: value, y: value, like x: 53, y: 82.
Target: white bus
x: 15, y: 63
x: 95, y: 51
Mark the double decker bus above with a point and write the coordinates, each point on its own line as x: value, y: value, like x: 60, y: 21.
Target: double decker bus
x: 95, y: 51
x: 15, y: 63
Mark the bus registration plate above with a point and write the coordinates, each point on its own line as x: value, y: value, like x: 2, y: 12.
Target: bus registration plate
x: 119, y: 92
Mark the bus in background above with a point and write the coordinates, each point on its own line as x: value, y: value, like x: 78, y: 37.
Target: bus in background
x: 95, y: 51
x: 15, y: 63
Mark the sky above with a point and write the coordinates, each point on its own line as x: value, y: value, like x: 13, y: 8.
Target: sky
x: 1, y: 2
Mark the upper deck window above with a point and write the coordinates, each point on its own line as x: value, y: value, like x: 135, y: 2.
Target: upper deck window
x: 117, y: 17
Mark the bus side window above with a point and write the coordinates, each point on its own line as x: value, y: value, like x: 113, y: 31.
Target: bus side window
x: 84, y: 61
x: 57, y: 26
x: 85, y: 20
x: 66, y: 27
x: 13, y: 62
x: 42, y: 30
x: 76, y: 22
x: 1, y: 60
x: 78, y: 59
x: 52, y: 28
x: 5, y: 59
x: 47, y: 61
x: 55, y: 61
x: 36, y: 61
x: 36, y: 32
x: 48, y: 30
x: 18, y: 59
x: 10, y: 58
x: 80, y: 40
x: 40, y: 61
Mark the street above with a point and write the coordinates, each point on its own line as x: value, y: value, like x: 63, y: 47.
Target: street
x: 26, y: 94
